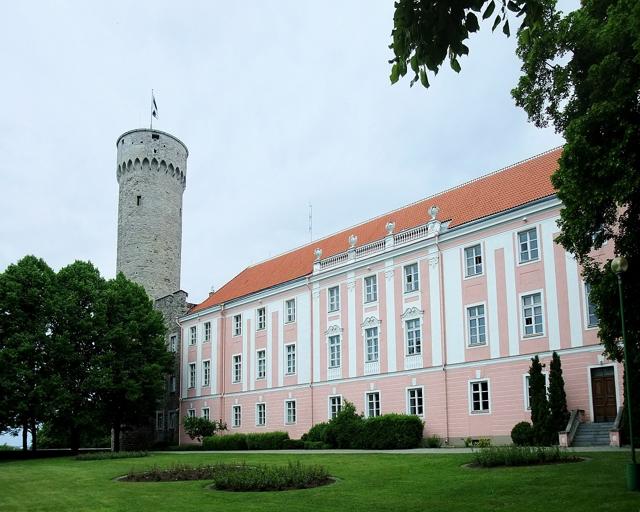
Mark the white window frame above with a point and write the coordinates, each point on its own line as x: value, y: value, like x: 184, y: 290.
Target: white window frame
x: 173, y: 343
x: 207, y: 332
x: 173, y: 384
x: 405, y: 282
x: 467, y: 274
x: 192, y: 375
x: 330, y: 408
x: 290, y: 308
x: 286, y: 411
x: 407, y: 393
x: 237, y: 324
x: 206, y: 415
x: 406, y: 337
x: 366, y: 343
x: 470, y: 396
x: 191, y: 413
x: 261, y: 318
x: 336, y: 303
x: 261, y: 375
x: 288, y: 369
x: 236, y: 421
x: 523, y: 335
x: 193, y: 335
x: 339, y: 351
x: 519, y: 249
x: 160, y: 425
x: 525, y: 388
x: 206, y: 374
x: 173, y: 420
x: 368, y: 298
x: 264, y: 418
x: 236, y: 364
x: 468, y: 325
x: 366, y: 402
x: 586, y: 289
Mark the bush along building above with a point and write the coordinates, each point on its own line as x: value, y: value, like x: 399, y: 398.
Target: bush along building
x: 152, y: 174
x: 434, y: 310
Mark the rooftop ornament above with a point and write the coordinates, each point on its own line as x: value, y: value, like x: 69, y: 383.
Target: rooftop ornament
x: 390, y: 227
x: 433, y: 211
x: 353, y: 240
x: 317, y: 253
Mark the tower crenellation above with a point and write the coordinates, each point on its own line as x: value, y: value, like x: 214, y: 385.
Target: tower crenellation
x: 151, y: 170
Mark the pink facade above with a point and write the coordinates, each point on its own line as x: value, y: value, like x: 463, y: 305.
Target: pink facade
x: 438, y: 322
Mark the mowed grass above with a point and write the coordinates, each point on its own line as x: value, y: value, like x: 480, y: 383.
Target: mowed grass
x: 368, y: 482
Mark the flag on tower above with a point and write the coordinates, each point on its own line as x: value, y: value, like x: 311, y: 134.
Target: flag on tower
x: 154, y: 106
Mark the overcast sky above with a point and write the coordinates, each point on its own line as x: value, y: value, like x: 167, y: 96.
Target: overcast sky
x: 281, y: 104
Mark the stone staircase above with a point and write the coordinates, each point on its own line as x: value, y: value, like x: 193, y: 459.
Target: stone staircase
x: 592, y: 434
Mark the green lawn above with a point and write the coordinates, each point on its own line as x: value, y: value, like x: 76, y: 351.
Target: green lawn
x: 369, y: 482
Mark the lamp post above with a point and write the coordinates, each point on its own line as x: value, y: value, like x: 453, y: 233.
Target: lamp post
x: 619, y: 265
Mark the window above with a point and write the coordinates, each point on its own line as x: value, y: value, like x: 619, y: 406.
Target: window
x: 373, y: 404
x: 261, y: 322
x: 291, y: 359
x: 206, y: 373
x: 415, y: 404
x: 527, y: 387
x: 192, y: 375
x: 335, y: 406
x: 173, y: 420
x: 411, y: 283
x: 532, y: 315
x: 193, y: 336
x: 173, y: 343
x: 290, y: 307
x: 261, y: 415
x: 236, y: 416
x: 205, y: 413
x: 479, y: 396
x: 370, y: 289
x: 334, y: 299
x: 237, y: 325
x: 237, y: 368
x: 473, y: 259
x: 371, y: 342
x: 261, y: 364
x: 290, y: 411
x: 477, y: 326
x: 528, y: 243
x: 159, y: 420
x: 173, y: 384
x: 335, y: 355
x: 138, y: 200
x: 207, y: 331
x: 191, y: 413
x: 413, y: 333
x: 592, y: 317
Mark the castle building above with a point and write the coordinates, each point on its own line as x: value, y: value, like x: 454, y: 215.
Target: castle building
x: 152, y: 176
x: 434, y: 309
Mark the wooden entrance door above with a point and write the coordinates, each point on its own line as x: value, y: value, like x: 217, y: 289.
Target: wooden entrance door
x: 603, y: 391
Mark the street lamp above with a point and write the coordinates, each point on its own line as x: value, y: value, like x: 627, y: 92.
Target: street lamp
x: 619, y: 265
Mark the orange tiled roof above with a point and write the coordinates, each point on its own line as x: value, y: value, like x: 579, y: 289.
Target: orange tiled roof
x: 496, y: 192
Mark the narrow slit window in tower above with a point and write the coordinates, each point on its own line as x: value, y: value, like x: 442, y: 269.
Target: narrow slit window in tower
x: 139, y: 200
x: 155, y: 136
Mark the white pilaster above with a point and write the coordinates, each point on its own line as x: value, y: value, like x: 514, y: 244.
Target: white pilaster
x: 453, y: 306
x: 303, y: 318
x: 351, y: 300
x: 573, y: 291
x: 551, y: 292
x: 491, y: 245
x: 316, y: 332
x: 390, y: 329
x: 513, y: 307
x: 434, y: 303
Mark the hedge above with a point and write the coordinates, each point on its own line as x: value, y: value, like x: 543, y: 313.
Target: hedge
x: 226, y: 442
x: 235, y: 442
x: 392, y: 431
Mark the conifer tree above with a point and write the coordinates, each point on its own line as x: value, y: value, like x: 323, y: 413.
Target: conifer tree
x: 558, y: 412
x: 539, y: 403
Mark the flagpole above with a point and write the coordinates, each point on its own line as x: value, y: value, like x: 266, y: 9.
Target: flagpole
x: 151, y: 112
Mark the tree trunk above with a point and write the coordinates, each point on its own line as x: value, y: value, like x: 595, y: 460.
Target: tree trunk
x: 34, y: 436
x: 74, y: 439
x: 116, y: 437
x: 25, y: 431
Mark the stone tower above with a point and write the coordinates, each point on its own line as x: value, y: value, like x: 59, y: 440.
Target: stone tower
x: 152, y: 176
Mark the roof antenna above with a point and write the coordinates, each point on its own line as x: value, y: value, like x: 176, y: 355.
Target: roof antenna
x: 310, y: 222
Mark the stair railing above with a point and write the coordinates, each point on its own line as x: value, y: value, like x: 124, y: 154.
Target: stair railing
x: 614, y: 432
x: 565, y: 437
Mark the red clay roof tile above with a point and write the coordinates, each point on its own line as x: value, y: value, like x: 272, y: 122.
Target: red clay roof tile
x: 502, y: 190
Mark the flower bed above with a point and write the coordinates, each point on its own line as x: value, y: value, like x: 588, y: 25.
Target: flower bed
x: 521, y: 456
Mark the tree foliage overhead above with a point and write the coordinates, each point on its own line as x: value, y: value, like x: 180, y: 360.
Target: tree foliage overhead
x: 581, y: 74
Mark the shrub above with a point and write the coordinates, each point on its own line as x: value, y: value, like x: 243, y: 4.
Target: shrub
x: 521, y: 456
x: 293, y: 444
x: 226, y: 442
x: 315, y: 445
x: 483, y: 442
x: 234, y: 477
x: 110, y: 455
x: 468, y: 442
x: 345, y: 430
x: 317, y: 433
x: 433, y: 441
x: 6, y: 448
x: 522, y: 434
x: 267, y: 440
x: 198, y: 428
x: 392, y: 431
